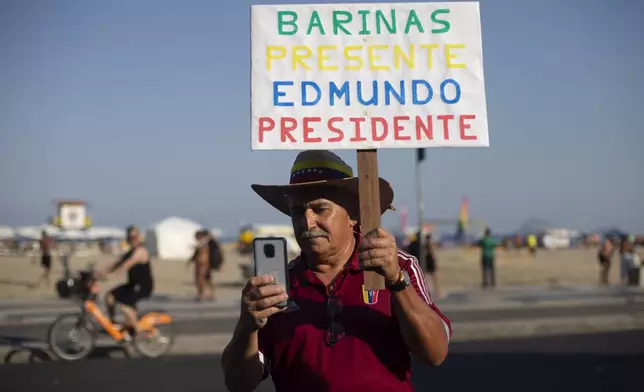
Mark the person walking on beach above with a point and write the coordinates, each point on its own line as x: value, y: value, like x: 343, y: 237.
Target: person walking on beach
x: 629, y: 261
x: 488, y: 247
x: 207, y: 257
x: 532, y: 243
x: 605, y: 254
x: 46, y: 245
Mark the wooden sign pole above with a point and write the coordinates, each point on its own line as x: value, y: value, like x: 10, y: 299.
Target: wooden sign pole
x: 370, y: 213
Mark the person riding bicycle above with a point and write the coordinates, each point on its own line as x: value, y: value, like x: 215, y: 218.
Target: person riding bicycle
x: 140, y: 283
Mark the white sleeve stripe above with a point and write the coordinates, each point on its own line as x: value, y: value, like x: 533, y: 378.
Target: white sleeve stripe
x: 261, y: 357
x: 420, y: 278
x: 446, y: 329
x: 418, y: 275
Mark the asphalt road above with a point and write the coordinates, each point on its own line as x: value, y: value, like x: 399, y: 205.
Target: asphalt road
x: 38, y: 332
x: 600, y: 362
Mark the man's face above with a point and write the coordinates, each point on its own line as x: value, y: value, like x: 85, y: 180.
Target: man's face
x: 321, y: 219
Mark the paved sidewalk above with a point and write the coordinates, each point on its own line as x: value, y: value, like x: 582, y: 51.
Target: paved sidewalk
x: 182, y: 308
x: 476, y: 315
x: 540, y: 296
x: 34, y: 310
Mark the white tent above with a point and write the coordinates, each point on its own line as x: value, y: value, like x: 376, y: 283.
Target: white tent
x: 173, y: 238
x: 6, y: 232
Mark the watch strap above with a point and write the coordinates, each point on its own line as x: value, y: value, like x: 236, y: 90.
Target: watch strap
x: 400, y: 284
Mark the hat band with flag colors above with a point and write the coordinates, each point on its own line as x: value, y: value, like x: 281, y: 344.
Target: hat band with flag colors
x: 310, y: 171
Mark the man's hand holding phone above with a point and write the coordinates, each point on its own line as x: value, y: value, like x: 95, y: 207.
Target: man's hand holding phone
x: 260, y: 298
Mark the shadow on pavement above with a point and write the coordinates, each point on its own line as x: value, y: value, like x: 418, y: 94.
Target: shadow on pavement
x: 24, y: 354
x: 25, y: 350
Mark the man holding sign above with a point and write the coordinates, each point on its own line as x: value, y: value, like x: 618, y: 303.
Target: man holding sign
x: 335, y: 335
x: 363, y: 77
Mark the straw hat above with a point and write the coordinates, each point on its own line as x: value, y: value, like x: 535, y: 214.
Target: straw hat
x: 316, y: 168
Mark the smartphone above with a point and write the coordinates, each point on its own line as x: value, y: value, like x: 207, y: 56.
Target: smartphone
x: 271, y: 258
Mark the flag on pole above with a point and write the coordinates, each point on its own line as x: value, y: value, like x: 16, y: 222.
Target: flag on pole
x: 403, y: 219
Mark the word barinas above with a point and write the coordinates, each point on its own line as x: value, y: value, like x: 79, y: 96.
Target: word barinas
x: 354, y: 58
x: 362, y: 129
x: 419, y: 92
x: 287, y: 22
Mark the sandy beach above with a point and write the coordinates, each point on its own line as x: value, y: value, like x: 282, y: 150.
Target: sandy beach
x: 458, y: 268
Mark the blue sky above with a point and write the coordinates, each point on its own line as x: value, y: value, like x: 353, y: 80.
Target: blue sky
x: 141, y: 108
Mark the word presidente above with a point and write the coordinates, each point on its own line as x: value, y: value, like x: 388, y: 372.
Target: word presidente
x: 365, y: 20
x: 377, y: 128
x: 414, y: 92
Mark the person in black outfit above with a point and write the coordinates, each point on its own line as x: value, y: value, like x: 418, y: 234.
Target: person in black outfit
x: 46, y: 245
x: 429, y: 265
x: 140, y: 283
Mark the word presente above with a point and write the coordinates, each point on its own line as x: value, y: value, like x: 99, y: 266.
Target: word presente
x: 355, y: 57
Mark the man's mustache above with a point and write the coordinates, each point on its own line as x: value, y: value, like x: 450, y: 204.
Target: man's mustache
x: 314, y: 234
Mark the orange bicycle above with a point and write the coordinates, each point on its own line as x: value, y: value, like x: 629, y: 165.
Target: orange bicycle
x: 80, y: 330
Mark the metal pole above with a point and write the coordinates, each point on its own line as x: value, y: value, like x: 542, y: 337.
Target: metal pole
x: 419, y: 196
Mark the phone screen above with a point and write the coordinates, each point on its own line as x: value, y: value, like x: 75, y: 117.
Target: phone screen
x: 271, y: 259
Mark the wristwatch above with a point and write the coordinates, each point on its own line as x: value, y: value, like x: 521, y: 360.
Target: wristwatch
x: 401, y: 283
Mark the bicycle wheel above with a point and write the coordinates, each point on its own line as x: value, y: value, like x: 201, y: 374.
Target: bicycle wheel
x: 78, y: 337
x: 156, y: 342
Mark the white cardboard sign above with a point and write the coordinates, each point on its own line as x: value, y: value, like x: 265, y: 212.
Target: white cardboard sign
x: 363, y: 76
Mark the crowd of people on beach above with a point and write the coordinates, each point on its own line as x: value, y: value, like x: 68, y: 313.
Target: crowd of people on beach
x: 207, y: 257
x: 630, y: 263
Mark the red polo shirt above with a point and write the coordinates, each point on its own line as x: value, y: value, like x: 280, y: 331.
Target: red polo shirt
x: 371, y: 354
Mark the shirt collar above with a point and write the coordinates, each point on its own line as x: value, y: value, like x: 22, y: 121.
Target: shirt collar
x: 302, y: 270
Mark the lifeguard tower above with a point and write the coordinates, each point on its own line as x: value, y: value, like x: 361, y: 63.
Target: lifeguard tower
x: 72, y: 215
